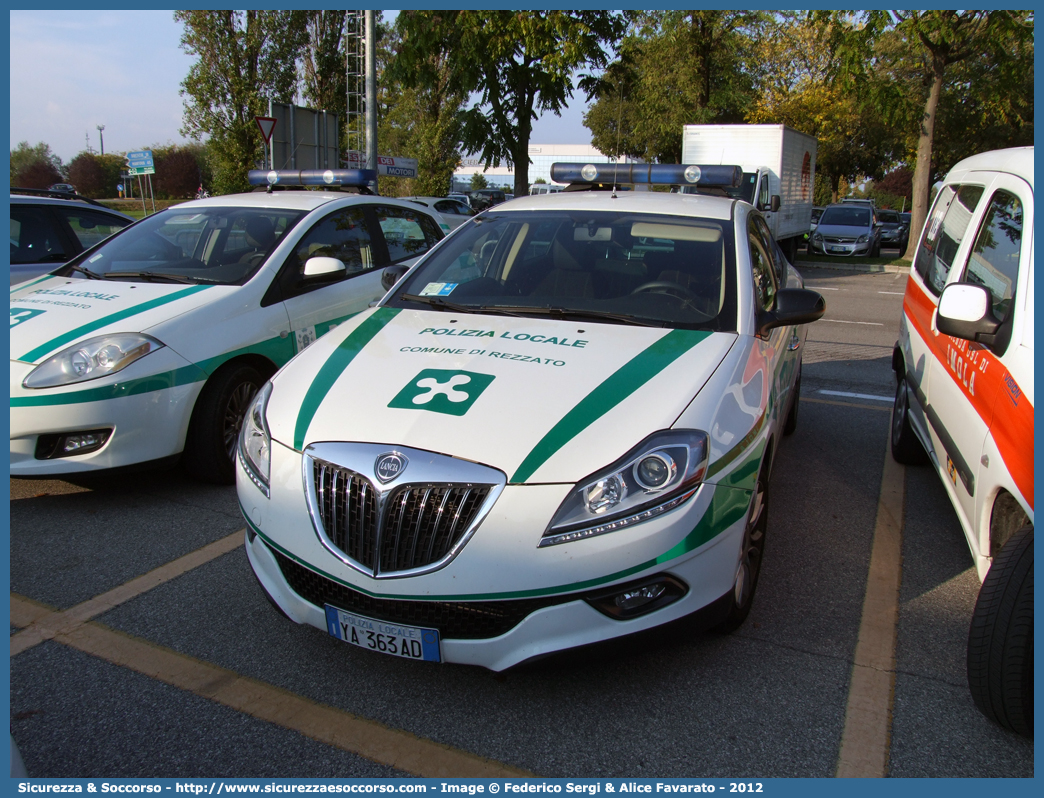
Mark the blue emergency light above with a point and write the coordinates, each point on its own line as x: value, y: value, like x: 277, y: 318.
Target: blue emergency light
x: 663, y: 174
x: 360, y: 178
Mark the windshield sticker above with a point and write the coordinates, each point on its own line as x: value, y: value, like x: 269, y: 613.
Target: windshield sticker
x: 438, y: 289
x: 93, y: 258
x: 18, y: 315
x: 441, y: 391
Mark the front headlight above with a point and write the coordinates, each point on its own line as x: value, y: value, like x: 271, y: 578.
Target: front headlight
x: 817, y: 237
x: 91, y: 359
x: 654, y: 477
x: 863, y: 239
x: 255, y: 441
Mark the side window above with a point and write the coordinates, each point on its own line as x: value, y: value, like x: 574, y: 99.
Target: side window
x: 944, y: 231
x: 407, y: 233
x: 91, y: 227
x: 763, y: 194
x: 342, y: 235
x: 775, y: 254
x: 763, y: 273
x: 994, y: 260
x: 34, y: 238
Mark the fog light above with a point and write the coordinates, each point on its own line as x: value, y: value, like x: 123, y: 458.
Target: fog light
x: 70, y: 444
x: 633, y: 599
x: 638, y: 598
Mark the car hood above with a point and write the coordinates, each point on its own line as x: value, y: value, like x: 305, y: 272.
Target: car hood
x: 843, y: 230
x: 51, y: 313
x: 542, y: 400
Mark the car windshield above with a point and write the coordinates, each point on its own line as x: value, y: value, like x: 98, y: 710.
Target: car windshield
x: 221, y: 245
x: 665, y: 271
x: 846, y: 216
x: 888, y: 217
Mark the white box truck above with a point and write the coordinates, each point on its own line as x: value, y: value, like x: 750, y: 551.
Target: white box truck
x: 779, y: 170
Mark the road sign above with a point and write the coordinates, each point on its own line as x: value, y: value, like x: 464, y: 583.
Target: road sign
x: 140, y: 170
x: 387, y: 165
x: 267, y: 125
x: 141, y: 159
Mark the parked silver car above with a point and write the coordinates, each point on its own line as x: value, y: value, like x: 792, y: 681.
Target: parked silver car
x: 847, y: 229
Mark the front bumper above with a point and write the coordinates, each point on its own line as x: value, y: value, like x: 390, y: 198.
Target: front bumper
x: 843, y: 250
x: 698, y: 543
x: 144, y: 406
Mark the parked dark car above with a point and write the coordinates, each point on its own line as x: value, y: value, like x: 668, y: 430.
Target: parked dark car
x: 50, y: 227
x: 894, y: 233
x: 486, y: 198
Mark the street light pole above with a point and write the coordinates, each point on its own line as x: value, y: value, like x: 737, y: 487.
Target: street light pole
x: 101, y: 139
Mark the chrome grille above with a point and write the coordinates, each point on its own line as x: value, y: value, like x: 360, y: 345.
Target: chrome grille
x: 416, y: 525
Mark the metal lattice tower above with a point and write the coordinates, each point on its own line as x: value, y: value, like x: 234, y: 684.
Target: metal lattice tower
x: 355, y: 45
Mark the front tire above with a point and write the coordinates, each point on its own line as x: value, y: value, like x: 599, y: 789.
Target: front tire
x: 906, y: 448
x: 1000, y: 641
x: 210, y: 447
x: 749, y: 569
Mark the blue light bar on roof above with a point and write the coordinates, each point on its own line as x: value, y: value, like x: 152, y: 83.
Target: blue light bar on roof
x: 311, y: 177
x: 663, y: 174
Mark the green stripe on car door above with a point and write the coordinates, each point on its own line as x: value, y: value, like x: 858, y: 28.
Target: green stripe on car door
x: 28, y: 284
x: 335, y: 365
x: 104, y: 321
x: 625, y: 381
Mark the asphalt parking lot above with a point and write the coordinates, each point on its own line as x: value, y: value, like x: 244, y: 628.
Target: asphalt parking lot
x: 142, y: 646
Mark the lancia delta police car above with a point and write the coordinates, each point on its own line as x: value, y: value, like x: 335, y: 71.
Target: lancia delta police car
x: 152, y: 343
x: 557, y: 429
x: 964, y: 400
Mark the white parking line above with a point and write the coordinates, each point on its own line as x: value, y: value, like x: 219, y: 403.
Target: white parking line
x: 868, y: 323
x: 821, y: 288
x: 892, y: 293
x: 872, y: 396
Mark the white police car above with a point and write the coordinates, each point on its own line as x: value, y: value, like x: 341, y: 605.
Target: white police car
x: 154, y: 342
x: 557, y: 429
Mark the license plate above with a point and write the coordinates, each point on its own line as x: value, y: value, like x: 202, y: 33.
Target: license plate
x: 839, y: 249
x: 411, y: 642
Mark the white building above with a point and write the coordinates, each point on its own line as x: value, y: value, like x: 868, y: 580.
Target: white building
x: 541, y: 157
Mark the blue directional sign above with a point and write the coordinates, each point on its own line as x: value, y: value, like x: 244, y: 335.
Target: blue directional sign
x: 140, y: 160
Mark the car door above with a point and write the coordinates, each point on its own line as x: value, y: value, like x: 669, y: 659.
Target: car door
x: 938, y: 250
x: 971, y: 379
x: 365, y: 238
x: 315, y: 305
x: 772, y: 349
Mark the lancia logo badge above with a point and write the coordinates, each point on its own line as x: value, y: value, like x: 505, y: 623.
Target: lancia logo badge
x: 389, y: 466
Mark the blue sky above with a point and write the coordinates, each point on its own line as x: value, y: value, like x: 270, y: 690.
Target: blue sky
x: 123, y: 69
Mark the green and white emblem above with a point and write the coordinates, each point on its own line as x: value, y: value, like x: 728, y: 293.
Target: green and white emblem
x: 441, y: 391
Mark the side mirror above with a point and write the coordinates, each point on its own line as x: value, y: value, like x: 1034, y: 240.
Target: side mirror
x: 965, y: 312
x: 323, y: 267
x: 774, y: 203
x: 393, y: 274
x: 793, y: 306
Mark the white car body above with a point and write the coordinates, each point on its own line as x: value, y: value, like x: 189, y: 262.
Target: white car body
x: 971, y: 404
x: 450, y: 211
x: 202, y: 328
x: 552, y: 401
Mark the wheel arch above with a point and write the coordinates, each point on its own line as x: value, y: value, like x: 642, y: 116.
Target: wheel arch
x: 265, y: 367
x: 1007, y: 516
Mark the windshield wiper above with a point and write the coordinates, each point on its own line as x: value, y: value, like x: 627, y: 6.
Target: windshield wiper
x: 439, y: 303
x: 569, y: 313
x: 154, y: 277
x: 87, y: 272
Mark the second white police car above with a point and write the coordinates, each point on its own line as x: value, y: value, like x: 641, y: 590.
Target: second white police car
x: 556, y: 430
x: 149, y: 346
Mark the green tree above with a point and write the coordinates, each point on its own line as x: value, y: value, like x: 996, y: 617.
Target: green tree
x: 243, y: 59
x: 911, y: 64
x: 794, y: 89
x: 674, y: 68
x: 95, y: 175
x: 35, y: 163
x: 478, y: 180
x: 324, y: 76
x: 428, y: 111
x: 518, y: 63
